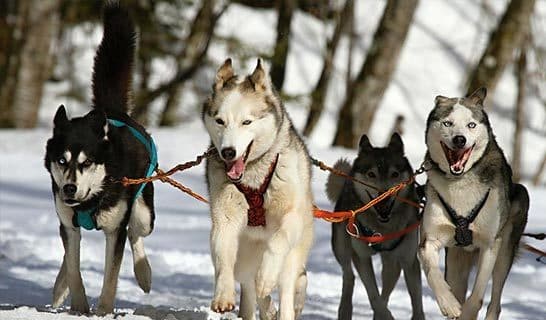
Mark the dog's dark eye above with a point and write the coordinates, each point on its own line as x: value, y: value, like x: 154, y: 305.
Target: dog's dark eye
x: 246, y: 122
x: 62, y: 161
x: 447, y: 123
x: 371, y: 174
x: 471, y: 125
x: 87, y: 163
x: 395, y: 174
x: 220, y: 121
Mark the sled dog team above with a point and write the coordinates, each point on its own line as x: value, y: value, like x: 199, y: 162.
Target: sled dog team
x: 261, y: 203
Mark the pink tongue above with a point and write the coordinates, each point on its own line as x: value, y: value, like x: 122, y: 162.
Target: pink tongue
x: 462, y: 155
x: 236, y: 168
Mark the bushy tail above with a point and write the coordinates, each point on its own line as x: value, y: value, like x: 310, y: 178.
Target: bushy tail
x: 112, y: 71
x: 335, y: 183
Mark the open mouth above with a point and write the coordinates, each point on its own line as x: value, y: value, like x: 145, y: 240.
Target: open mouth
x: 383, y: 209
x: 457, y: 158
x: 71, y: 202
x: 235, y: 169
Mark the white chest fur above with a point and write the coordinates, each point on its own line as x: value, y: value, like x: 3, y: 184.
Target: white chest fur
x: 463, y: 195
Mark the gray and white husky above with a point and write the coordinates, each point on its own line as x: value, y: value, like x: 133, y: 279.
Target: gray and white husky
x: 382, y: 168
x: 86, y: 155
x: 473, y: 209
x: 260, y: 197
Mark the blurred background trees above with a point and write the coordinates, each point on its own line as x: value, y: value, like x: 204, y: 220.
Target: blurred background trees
x: 38, y: 47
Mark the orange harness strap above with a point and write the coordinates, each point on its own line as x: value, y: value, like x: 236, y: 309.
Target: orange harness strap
x: 378, y: 238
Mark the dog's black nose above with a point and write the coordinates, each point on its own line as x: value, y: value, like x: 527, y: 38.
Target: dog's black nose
x: 459, y: 141
x: 70, y: 190
x: 228, y: 153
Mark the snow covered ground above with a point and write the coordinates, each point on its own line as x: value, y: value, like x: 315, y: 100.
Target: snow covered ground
x: 432, y: 62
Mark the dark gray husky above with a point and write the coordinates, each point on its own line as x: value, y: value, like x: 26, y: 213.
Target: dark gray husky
x: 87, y: 155
x: 381, y: 168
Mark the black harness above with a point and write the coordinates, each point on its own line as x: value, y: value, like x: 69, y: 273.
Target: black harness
x: 463, y: 235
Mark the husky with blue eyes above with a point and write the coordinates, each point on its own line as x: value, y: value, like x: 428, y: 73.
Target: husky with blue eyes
x: 87, y: 156
x: 473, y: 209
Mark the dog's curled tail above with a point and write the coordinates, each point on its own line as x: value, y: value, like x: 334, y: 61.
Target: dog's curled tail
x: 335, y: 183
x: 112, y: 71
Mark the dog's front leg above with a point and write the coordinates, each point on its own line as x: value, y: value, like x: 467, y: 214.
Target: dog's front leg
x: 71, y: 241
x: 486, y: 262
x: 115, y: 243
x: 428, y: 254
x: 224, y: 244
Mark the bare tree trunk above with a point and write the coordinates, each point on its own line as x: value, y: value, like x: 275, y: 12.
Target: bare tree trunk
x: 520, y: 113
x: 278, y: 61
x: 319, y: 93
x: 194, y: 53
x: 398, y: 126
x: 13, y: 24
x: 191, y: 57
x: 508, y: 36
x: 36, y: 59
x: 352, y: 37
x: 540, y: 171
x: 359, y: 108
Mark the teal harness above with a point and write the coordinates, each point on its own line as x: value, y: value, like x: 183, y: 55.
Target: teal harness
x: 85, y: 218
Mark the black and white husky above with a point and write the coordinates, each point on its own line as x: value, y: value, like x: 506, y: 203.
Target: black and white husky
x: 87, y: 156
x: 473, y: 207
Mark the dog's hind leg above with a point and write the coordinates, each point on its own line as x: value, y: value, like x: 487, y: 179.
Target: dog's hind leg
x: 364, y: 267
x: 141, y: 225
x: 60, y: 289
x: 341, y: 245
x: 247, y: 309
x: 71, y: 241
x: 458, y: 264
x: 267, y: 308
x: 115, y: 243
x: 486, y: 262
x: 301, y: 288
x: 389, y: 275
x: 518, y: 219
x: 412, y: 276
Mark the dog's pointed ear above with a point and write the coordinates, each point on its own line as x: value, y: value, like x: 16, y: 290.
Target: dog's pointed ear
x: 224, y: 73
x: 440, y: 100
x: 477, y: 97
x: 260, y: 78
x: 99, y: 124
x: 364, y: 143
x: 60, y: 120
x: 396, y: 143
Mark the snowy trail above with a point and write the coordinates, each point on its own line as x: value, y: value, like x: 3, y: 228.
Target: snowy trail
x: 31, y: 251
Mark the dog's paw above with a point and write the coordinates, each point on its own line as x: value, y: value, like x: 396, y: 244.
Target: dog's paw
x: 79, y: 307
x: 223, y: 302
x: 382, y: 315
x: 266, y: 280
x: 450, y: 306
x: 470, y: 310
x: 143, y: 275
x: 104, y: 309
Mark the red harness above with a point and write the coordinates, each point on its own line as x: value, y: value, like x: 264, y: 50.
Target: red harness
x: 255, y: 198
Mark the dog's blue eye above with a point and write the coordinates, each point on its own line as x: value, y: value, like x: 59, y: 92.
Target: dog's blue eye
x: 62, y: 161
x: 246, y: 122
x: 472, y: 125
x: 447, y: 123
x: 220, y: 121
